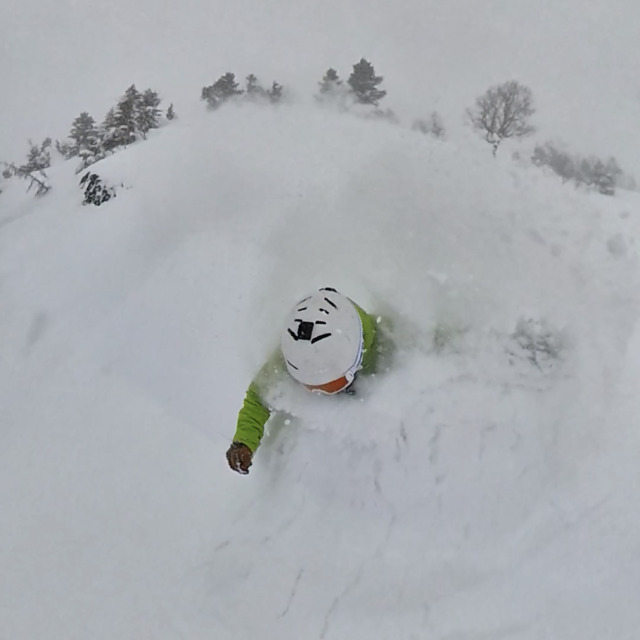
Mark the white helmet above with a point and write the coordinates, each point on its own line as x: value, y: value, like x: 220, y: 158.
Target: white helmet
x: 322, y: 341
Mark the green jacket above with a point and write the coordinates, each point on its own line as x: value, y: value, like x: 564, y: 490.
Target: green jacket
x: 255, y: 412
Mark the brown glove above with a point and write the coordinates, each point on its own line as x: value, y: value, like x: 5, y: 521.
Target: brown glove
x: 239, y: 457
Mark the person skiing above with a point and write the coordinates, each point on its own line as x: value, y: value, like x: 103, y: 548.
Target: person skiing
x: 326, y: 341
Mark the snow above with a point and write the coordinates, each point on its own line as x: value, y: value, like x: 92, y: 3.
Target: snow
x: 482, y: 485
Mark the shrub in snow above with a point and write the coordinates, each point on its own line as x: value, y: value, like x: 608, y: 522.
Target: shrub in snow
x: 537, y: 341
x: 387, y: 115
x: 275, y: 93
x: 446, y: 337
x: 591, y: 171
x: 434, y: 126
x: 503, y: 112
x: 560, y: 162
x: 95, y: 191
x: 601, y: 175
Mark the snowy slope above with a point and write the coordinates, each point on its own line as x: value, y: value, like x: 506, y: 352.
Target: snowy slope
x: 476, y: 488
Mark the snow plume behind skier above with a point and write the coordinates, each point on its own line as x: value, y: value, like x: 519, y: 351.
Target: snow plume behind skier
x: 326, y: 342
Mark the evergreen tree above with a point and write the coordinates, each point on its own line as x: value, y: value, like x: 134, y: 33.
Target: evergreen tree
x: 275, y: 93
x: 331, y: 89
x: 66, y: 149
x: 84, y: 135
x: 38, y: 158
x: 363, y: 83
x: 171, y: 114
x: 221, y: 90
x: 330, y: 82
x: 121, y: 123
x: 253, y: 89
x: 148, y: 115
x: 109, y: 131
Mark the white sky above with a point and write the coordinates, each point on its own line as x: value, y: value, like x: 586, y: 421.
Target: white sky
x: 580, y: 57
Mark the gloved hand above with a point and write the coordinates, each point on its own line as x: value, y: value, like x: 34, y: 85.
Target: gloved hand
x: 239, y: 457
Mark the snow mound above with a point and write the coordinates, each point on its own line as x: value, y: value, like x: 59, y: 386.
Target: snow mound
x: 472, y: 488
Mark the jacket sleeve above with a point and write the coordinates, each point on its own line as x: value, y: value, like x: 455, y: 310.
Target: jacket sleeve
x: 370, y: 340
x: 251, y: 419
x: 255, y: 411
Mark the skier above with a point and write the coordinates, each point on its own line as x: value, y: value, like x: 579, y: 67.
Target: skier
x: 327, y: 340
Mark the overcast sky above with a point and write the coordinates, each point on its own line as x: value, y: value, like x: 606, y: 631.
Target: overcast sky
x: 580, y: 57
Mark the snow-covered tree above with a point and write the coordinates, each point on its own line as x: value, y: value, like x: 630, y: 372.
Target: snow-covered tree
x: 147, y: 116
x: 503, y: 112
x: 121, y: 122
x: 66, y: 149
x: 84, y: 134
x: 330, y: 87
x: 363, y: 83
x: 221, y: 90
x: 333, y: 91
x: 38, y: 158
x: 330, y: 81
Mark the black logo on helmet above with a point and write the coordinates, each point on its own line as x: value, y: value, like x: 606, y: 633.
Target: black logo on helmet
x: 305, y: 331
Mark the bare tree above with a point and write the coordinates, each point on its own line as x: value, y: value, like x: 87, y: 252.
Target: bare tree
x: 503, y: 112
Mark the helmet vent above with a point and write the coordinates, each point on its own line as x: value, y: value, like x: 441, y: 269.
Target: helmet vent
x: 292, y: 365
x: 323, y: 310
x: 333, y: 304
x: 320, y: 337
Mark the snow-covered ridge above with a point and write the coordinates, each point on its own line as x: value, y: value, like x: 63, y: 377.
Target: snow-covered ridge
x: 482, y: 486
